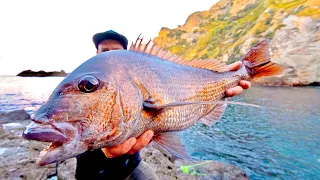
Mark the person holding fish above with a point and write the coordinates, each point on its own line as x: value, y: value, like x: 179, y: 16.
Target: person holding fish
x: 113, y: 104
x: 123, y: 161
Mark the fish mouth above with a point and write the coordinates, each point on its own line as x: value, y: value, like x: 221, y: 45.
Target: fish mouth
x: 59, y: 134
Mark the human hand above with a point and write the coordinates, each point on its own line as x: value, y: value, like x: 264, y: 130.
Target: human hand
x: 242, y: 84
x: 130, y: 146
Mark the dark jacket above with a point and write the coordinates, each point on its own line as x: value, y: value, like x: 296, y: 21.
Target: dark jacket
x: 95, y: 165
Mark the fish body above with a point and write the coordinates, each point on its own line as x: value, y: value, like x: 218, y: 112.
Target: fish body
x: 120, y: 94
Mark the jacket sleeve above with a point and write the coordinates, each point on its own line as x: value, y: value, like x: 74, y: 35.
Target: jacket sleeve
x: 95, y: 165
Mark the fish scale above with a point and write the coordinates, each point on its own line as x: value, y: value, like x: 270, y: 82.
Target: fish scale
x: 168, y: 88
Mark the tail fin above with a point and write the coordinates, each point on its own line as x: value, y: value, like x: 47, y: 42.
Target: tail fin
x: 258, y: 64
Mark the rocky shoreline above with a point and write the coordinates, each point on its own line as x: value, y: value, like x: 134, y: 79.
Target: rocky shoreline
x: 17, y: 158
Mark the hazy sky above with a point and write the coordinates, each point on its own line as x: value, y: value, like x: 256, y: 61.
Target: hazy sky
x: 58, y: 34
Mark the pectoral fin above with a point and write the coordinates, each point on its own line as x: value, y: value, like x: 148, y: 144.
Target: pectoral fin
x: 152, y: 106
x: 170, y: 142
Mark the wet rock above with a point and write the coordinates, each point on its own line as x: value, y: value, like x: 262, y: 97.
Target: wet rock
x: 17, y: 160
x: 160, y: 162
x: 190, y: 170
x: 207, y: 170
x: 15, y: 121
x: 14, y: 116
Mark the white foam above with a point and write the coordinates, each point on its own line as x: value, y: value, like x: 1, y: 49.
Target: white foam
x: 3, y: 150
x: 10, y: 125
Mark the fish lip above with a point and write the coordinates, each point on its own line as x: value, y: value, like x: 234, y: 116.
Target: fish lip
x: 44, y: 132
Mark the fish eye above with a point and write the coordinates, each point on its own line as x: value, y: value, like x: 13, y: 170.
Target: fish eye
x: 88, y: 84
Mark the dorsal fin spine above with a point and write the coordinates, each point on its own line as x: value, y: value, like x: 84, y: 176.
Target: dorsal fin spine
x: 153, y: 49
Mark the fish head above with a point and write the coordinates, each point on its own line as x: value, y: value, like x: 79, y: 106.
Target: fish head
x: 86, y: 111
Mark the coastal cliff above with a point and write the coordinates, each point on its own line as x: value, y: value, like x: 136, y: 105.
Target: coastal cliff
x: 230, y: 28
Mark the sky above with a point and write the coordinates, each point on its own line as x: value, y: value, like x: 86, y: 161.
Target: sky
x: 55, y: 35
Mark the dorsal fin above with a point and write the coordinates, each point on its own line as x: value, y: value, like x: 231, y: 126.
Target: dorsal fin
x: 153, y: 49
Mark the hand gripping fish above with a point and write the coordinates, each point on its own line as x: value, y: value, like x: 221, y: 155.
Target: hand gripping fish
x: 120, y: 94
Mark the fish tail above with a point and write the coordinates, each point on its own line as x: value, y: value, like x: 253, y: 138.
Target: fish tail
x: 258, y: 64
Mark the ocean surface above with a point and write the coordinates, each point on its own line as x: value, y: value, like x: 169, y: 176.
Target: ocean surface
x: 280, y: 140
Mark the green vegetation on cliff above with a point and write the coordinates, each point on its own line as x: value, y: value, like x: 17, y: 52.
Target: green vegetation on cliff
x: 230, y: 28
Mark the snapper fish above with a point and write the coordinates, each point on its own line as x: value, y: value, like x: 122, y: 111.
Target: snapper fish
x: 120, y: 94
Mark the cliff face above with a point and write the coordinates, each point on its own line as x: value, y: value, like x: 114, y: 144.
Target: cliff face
x: 296, y: 46
x: 231, y: 27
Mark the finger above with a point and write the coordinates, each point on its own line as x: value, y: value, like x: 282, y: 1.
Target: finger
x: 245, y: 84
x: 234, y: 66
x: 120, y: 149
x: 234, y: 91
x: 106, y: 152
x: 142, y: 141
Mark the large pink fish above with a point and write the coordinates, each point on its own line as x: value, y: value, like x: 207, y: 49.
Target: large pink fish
x: 120, y: 94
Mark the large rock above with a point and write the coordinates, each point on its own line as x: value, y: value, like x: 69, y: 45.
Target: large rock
x: 15, y: 121
x: 207, y: 170
x: 187, y: 170
x: 14, y: 116
x: 297, y: 47
x: 160, y: 162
